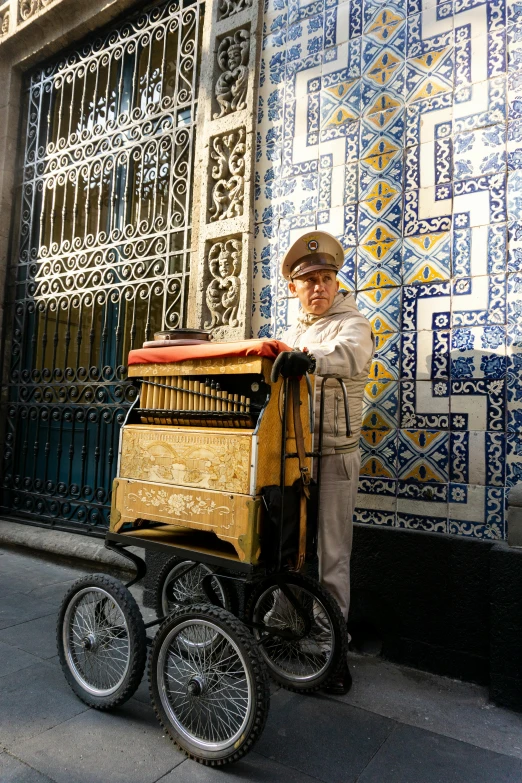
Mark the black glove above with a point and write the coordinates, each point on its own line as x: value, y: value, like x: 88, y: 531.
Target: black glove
x: 290, y: 364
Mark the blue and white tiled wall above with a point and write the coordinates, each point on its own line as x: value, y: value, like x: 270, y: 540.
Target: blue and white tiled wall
x: 397, y: 127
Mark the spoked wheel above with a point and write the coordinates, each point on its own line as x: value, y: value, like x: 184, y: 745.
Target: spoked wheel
x: 101, y: 641
x: 180, y: 584
x: 300, y: 629
x: 211, y: 697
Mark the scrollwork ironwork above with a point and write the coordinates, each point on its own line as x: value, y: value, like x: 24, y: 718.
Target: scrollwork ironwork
x: 231, y: 86
x: 104, y: 250
x: 223, y: 293
x: 228, y: 150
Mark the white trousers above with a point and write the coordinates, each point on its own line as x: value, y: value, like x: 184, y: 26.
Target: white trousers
x: 339, y: 480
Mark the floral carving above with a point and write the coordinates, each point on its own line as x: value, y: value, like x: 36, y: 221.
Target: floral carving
x: 228, y: 8
x: 231, y: 86
x: 223, y: 291
x: 178, y: 505
x: 228, y: 151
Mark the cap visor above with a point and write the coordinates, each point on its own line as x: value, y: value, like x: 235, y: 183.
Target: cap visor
x: 315, y: 268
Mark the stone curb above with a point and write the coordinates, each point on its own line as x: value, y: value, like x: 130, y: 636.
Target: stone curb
x: 66, y: 545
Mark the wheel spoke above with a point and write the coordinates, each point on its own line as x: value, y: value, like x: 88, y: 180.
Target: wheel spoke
x: 205, y: 686
x: 307, y: 655
x: 97, y: 641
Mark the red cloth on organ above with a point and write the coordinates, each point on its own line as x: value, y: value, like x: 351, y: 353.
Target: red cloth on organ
x: 268, y: 349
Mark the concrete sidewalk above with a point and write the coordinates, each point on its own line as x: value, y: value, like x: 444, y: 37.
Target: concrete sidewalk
x: 396, y: 726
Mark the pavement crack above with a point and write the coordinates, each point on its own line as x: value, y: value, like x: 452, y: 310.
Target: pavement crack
x: 21, y: 761
x: 381, y: 746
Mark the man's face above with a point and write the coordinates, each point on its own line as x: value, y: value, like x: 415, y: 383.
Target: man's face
x: 316, y: 291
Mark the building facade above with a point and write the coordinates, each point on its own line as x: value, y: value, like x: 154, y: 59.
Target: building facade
x: 157, y: 160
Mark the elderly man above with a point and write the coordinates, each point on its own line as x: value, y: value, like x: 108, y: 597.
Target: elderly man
x: 330, y: 337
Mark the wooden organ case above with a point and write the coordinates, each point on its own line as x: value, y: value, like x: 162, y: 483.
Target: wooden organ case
x: 198, y: 446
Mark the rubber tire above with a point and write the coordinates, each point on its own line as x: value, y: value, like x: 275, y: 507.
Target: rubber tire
x: 340, y: 633
x: 137, y: 641
x: 260, y: 690
x: 230, y: 603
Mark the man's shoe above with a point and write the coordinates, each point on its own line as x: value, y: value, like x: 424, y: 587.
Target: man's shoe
x: 341, y: 684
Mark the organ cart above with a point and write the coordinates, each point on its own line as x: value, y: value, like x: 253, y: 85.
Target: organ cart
x: 214, y: 471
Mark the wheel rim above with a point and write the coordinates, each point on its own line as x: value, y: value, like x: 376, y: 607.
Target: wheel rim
x: 205, y: 689
x: 96, y: 641
x: 306, y: 656
x: 188, y: 589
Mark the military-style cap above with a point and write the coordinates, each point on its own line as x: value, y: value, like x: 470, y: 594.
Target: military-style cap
x: 311, y: 252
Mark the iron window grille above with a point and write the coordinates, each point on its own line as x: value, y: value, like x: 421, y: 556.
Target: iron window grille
x: 103, y: 253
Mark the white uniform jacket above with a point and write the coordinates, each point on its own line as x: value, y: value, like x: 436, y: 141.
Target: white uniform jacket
x: 342, y: 342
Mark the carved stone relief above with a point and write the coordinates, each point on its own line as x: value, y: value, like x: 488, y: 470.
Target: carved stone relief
x: 223, y: 294
x: 4, y: 21
x: 223, y: 228
x: 228, y: 173
x: 231, y: 87
x: 28, y: 8
x: 228, y: 8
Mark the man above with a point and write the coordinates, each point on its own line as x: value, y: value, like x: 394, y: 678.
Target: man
x: 330, y: 337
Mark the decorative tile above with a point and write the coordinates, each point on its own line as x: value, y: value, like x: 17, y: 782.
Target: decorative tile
x: 428, y: 524
x: 431, y: 30
x: 377, y: 486
x: 347, y: 273
x: 382, y: 308
x: 427, y: 258
x: 429, y: 164
x: 424, y: 405
x: 479, y: 300
x: 480, y: 152
x: 369, y: 516
x: 381, y: 405
x: 379, y: 254
x: 429, y: 119
x: 479, y: 105
x: 478, y: 457
x: 425, y: 307
x: 398, y: 128
x: 386, y: 360
x: 429, y: 75
x: 431, y: 492
x: 514, y: 146
x: 513, y: 458
x: 375, y: 509
x: 380, y: 19
x: 476, y: 511
x: 423, y: 455
x: 379, y: 453
x: 478, y: 404
x: 479, y: 58
x: 479, y: 251
x: 382, y: 131
x: 425, y: 355
x: 479, y: 352
x: 427, y: 210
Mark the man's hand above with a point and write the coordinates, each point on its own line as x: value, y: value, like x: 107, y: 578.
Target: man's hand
x: 290, y: 364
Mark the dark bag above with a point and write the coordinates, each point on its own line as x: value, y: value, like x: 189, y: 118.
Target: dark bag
x: 272, y: 499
